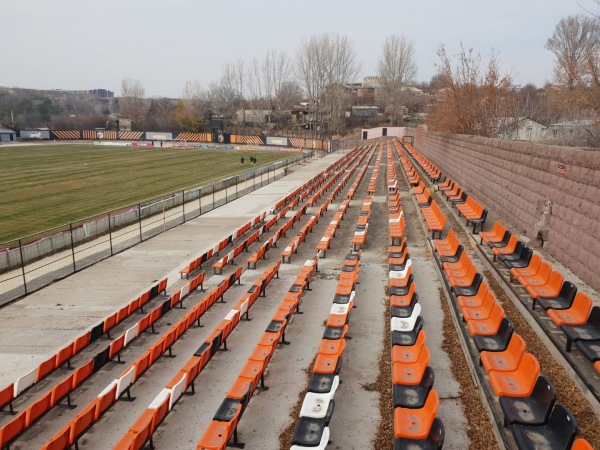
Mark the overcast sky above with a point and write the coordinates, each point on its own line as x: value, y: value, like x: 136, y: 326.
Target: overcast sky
x: 86, y: 44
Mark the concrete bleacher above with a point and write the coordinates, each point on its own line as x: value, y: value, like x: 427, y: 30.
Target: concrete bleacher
x: 38, y: 325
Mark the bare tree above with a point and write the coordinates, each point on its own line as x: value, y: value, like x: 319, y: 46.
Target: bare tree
x: 397, y: 67
x: 470, y: 100
x: 132, y: 104
x: 575, y: 40
x: 326, y: 63
x: 191, y: 110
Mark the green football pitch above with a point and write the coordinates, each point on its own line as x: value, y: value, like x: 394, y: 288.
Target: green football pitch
x: 46, y: 185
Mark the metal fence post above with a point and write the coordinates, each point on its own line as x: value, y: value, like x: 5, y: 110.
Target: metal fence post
x: 213, y: 189
x: 110, y: 235
x: 72, y: 247
x: 140, y: 221
x: 237, y: 180
x: 200, y: 200
x: 183, y: 204
x: 23, y: 266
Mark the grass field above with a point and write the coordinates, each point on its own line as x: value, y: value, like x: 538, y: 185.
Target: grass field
x: 43, y: 186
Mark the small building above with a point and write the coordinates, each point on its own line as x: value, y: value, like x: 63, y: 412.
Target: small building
x: 521, y: 129
x: 8, y: 136
x: 253, y: 117
x: 365, y: 111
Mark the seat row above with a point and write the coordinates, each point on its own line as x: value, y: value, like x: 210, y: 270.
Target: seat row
x: 272, y: 241
x: 527, y: 398
x: 569, y: 309
x: 64, y: 355
x: 196, y: 263
x: 312, y: 428
x: 73, y: 430
x: 224, y: 424
x: 435, y: 219
x: 146, y: 424
x: 67, y: 385
x: 473, y: 211
x: 415, y: 402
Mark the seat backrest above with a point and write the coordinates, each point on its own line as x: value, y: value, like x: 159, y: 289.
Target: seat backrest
x: 534, y: 263
x: 526, y: 254
x: 497, y: 315
x: 519, y: 247
x: 517, y: 345
x: 562, y: 421
x: 529, y: 365
x: 506, y: 328
x: 582, y: 303
x: 545, y: 270
x: 506, y: 237
x: 544, y: 392
x: 556, y: 279
x: 568, y: 291
x: 594, y: 317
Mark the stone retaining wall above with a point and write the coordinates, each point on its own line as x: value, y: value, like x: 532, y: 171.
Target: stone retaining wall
x: 515, y: 179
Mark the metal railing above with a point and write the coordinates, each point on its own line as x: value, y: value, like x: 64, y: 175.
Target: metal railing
x: 34, y: 261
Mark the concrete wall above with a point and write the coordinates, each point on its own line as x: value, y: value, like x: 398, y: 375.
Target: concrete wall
x: 515, y: 179
x: 374, y: 133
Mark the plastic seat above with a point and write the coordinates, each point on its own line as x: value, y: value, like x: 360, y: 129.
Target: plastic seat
x: 557, y: 434
x: 310, y: 433
x: 495, y: 233
x: 487, y: 325
x: 576, y: 314
x: 507, y: 249
x: 475, y: 300
x: 481, y: 312
x: 215, y: 437
x: 581, y: 444
x: 539, y: 279
x: 60, y: 440
x: 401, y: 301
x: 413, y: 395
x: 519, y: 382
x: 406, y: 323
x: 12, y: 429
x: 549, y: 289
x: 512, y: 256
x: 450, y: 243
x: 507, y: 360
x: 416, y: 423
x: 434, y: 441
x: 563, y: 300
x: 589, y: 331
x: 470, y: 290
x: 406, y: 310
x: 409, y: 353
x: 452, y: 257
x: 411, y: 373
x: 522, y: 261
x: 323, y: 383
x: 497, y: 342
x: 463, y: 262
x: 533, y: 409
x: 529, y: 270
x: 500, y: 242
x: 464, y: 280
